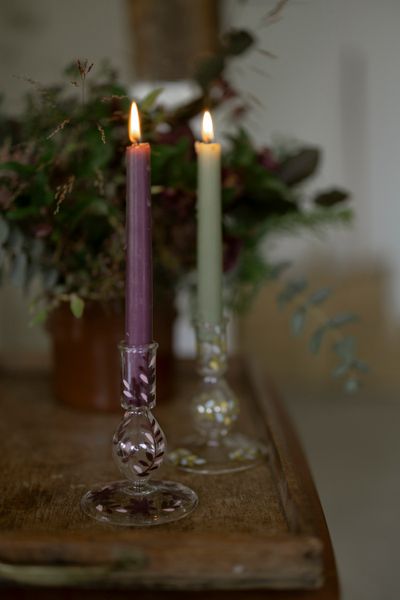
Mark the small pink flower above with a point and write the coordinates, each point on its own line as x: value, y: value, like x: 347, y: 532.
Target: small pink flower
x: 267, y: 159
x: 42, y: 230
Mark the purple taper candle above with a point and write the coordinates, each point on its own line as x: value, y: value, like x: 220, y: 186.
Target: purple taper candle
x: 139, y: 264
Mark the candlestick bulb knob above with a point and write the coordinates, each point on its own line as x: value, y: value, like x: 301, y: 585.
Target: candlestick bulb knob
x: 138, y: 445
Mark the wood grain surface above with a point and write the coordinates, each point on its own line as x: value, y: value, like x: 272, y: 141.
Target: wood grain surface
x: 262, y: 529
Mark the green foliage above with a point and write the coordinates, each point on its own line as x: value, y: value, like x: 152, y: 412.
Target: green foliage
x: 330, y: 197
x: 315, y: 221
x: 233, y: 43
x: 62, y: 188
x: 300, y: 166
x: 306, y: 308
x: 77, y: 306
x: 236, y: 42
x: 148, y: 102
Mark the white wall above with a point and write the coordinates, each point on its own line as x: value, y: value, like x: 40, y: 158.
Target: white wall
x: 38, y: 39
x: 335, y: 83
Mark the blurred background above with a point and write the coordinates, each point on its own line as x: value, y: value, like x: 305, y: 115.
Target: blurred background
x: 333, y: 82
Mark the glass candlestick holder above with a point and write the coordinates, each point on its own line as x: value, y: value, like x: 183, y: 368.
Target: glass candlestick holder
x: 214, y: 447
x: 139, y: 447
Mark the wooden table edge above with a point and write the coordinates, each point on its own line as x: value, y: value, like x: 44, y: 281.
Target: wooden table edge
x: 330, y: 590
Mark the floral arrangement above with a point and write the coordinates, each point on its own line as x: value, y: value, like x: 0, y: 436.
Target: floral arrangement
x: 62, y: 188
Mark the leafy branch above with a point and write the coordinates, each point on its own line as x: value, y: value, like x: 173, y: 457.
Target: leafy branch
x: 307, y: 307
x: 62, y: 187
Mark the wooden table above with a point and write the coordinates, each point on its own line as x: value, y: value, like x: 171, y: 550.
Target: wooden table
x: 259, y: 534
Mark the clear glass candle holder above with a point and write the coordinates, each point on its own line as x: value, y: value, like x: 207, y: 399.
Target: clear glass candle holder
x: 139, y: 448
x: 215, y: 447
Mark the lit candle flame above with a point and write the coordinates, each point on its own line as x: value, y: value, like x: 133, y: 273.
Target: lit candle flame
x: 207, y: 131
x: 134, y: 124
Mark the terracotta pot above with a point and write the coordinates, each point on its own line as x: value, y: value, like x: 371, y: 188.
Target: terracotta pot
x: 86, y: 357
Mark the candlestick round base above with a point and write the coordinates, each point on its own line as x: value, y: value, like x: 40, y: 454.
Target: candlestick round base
x: 233, y: 452
x: 120, y: 503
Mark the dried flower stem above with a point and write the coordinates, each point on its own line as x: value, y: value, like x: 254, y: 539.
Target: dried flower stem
x: 275, y: 13
x: 102, y: 133
x: 59, y: 127
x: 99, y: 181
x: 84, y: 69
x: 62, y: 191
x: 114, y: 97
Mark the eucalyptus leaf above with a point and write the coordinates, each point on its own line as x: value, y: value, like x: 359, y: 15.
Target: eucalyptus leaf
x: 18, y: 270
x: 4, y: 230
x: 37, y: 248
x: 290, y: 291
x: 77, y: 306
x: 319, y: 296
x: 345, y: 348
x: 343, y: 319
x: 15, y: 239
x: 360, y: 365
x: 147, y: 103
x: 277, y: 270
x: 298, y: 320
x: 352, y: 385
x: 341, y: 370
x: 49, y: 278
x: 316, y: 339
x: 32, y: 270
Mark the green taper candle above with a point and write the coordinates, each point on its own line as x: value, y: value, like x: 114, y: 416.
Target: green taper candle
x: 209, y: 226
